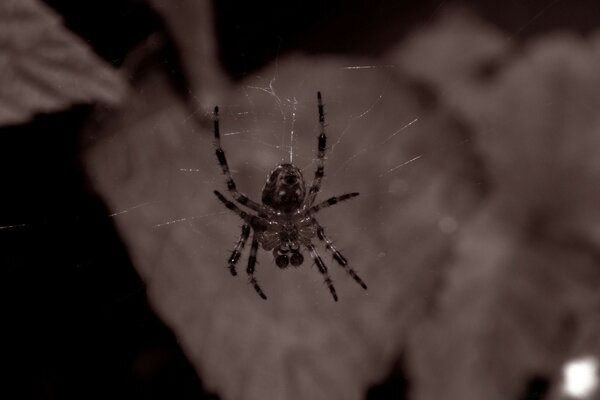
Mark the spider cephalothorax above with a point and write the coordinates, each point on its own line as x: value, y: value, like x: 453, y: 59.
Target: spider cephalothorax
x: 284, y: 223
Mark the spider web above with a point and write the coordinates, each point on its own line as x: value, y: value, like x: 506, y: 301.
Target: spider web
x: 285, y: 141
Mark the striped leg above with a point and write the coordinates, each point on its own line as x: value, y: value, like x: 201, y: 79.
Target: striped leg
x: 237, y: 251
x: 330, y: 202
x: 337, y: 255
x: 251, y: 265
x: 322, y: 143
x: 239, y: 197
x: 231, y: 205
x: 322, y: 269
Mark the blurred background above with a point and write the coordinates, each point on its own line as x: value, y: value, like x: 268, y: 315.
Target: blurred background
x: 80, y: 309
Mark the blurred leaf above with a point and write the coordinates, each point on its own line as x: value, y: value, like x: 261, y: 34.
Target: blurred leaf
x: 191, y: 24
x: 522, y: 286
x: 475, y: 230
x: 45, y: 68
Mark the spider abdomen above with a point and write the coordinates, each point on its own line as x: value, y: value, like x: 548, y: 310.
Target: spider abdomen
x: 284, y: 189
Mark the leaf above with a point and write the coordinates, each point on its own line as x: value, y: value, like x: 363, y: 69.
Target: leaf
x: 45, y: 68
x: 157, y: 170
x: 476, y: 228
x: 520, y: 293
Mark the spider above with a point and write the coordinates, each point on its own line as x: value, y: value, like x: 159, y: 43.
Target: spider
x: 284, y: 223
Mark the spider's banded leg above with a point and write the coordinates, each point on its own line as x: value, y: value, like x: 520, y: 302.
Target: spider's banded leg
x: 251, y: 265
x: 322, y: 269
x: 237, y: 250
x: 337, y: 255
x: 231, y: 205
x: 321, y: 145
x: 239, y: 197
x: 331, y: 201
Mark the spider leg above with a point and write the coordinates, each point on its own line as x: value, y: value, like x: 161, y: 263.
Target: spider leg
x: 231, y: 205
x: 322, y: 269
x: 321, y: 145
x: 239, y: 197
x: 235, y: 256
x: 237, y: 250
x: 330, y: 202
x: 251, y: 265
x: 337, y: 255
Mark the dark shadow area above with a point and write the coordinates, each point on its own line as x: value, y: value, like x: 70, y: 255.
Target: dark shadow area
x: 537, y: 388
x: 111, y: 27
x: 75, y: 311
x: 394, y: 387
x: 252, y: 34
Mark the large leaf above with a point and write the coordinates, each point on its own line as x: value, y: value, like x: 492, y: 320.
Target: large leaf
x: 44, y: 67
x: 521, y: 291
x: 475, y: 230
x: 157, y: 171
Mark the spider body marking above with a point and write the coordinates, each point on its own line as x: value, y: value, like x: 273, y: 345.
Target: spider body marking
x: 284, y: 222
x: 284, y: 190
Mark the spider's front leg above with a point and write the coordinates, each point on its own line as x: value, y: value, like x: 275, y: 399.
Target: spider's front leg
x: 321, y: 146
x: 238, y: 196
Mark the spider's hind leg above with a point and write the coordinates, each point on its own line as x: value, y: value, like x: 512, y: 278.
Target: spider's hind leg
x: 237, y: 250
x: 322, y: 269
x: 331, y: 202
x: 337, y: 256
x: 251, y: 265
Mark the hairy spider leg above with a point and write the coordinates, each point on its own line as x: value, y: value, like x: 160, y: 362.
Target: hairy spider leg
x: 237, y: 250
x: 330, y: 202
x: 231, y: 205
x: 337, y: 256
x: 321, y: 145
x: 238, y: 196
x: 235, y: 256
x: 251, y: 265
x: 322, y: 269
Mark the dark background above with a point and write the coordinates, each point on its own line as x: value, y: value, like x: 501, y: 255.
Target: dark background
x: 75, y: 311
